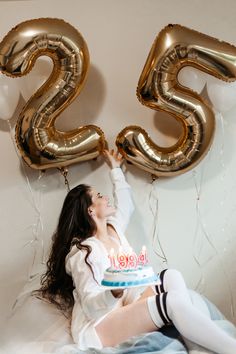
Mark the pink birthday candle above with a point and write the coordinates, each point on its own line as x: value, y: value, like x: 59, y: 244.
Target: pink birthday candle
x: 142, y: 259
x: 122, y: 259
x: 132, y: 259
x: 112, y: 258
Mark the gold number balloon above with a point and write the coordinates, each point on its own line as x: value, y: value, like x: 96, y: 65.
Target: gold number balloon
x: 158, y: 88
x: 41, y: 145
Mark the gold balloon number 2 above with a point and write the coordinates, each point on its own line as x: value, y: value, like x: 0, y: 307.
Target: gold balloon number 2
x: 158, y: 88
x: 41, y: 145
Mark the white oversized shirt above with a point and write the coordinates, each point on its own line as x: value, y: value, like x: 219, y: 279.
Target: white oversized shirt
x: 92, y: 302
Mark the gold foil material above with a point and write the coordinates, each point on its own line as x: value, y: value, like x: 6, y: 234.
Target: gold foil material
x: 158, y: 88
x: 41, y: 145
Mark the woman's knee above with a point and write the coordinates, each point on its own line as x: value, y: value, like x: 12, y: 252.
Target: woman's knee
x: 177, y: 301
x: 173, y: 273
x: 173, y: 280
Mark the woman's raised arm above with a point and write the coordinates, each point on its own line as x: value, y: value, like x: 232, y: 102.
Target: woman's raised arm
x: 123, y: 201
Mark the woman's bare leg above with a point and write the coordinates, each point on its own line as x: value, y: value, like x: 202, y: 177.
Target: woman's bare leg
x: 147, y: 292
x: 116, y: 327
x: 151, y: 313
x: 125, y: 322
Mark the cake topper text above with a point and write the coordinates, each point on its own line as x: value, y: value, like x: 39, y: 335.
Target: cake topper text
x: 127, y: 260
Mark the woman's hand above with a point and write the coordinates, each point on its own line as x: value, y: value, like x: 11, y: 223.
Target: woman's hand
x: 113, y: 159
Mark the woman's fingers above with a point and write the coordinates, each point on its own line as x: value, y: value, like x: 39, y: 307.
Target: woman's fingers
x: 113, y: 158
x: 111, y: 153
x: 117, y: 154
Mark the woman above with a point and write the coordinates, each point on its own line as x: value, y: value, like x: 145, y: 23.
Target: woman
x: 89, y: 226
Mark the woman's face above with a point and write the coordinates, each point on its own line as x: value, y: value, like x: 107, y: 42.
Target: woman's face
x: 101, y: 207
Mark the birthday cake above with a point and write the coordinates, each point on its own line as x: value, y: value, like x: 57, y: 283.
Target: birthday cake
x: 128, y: 270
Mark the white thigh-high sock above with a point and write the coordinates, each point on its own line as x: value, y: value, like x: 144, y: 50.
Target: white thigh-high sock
x: 176, y: 307
x: 170, y: 279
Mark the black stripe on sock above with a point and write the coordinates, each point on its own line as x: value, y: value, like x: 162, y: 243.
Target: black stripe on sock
x: 165, y: 306
x: 157, y: 289
x: 160, y: 310
x: 162, y: 280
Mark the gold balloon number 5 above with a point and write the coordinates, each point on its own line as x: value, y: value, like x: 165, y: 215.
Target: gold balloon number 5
x: 41, y: 145
x: 158, y: 88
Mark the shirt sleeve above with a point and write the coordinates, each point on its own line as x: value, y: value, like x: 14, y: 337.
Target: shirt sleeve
x: 123, y: 201
x: 95, y: 300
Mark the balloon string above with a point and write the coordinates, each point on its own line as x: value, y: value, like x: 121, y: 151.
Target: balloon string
x: 195, y: 257
x: 206, y: 234
x: 64, y: 172
x: 23, y: 167
x: 198, y: 188
x: 222, y: 203
x: 37, y: 228
x: 225, y: 191
x: 223, y: 269
x: 198, y: 192
x: 155, y: 212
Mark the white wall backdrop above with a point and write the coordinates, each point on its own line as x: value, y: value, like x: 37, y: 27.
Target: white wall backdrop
x: 190, y: 219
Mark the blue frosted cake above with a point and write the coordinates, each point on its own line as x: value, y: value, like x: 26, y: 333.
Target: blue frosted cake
x: 141, y: 275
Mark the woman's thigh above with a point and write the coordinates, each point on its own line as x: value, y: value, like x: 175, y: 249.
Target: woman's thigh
x: 125, y: 322
x: 147, y: 292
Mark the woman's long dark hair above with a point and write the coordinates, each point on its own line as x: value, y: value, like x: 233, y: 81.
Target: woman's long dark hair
x: 75, y: 225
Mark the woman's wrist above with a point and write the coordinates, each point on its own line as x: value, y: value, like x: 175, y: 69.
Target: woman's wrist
x: 115, y: 163
x: 114, y: 167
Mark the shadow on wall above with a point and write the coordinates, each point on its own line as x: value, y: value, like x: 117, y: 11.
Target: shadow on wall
x: 84, y: 109
x: 87, y: 106
x: 4, y: 126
